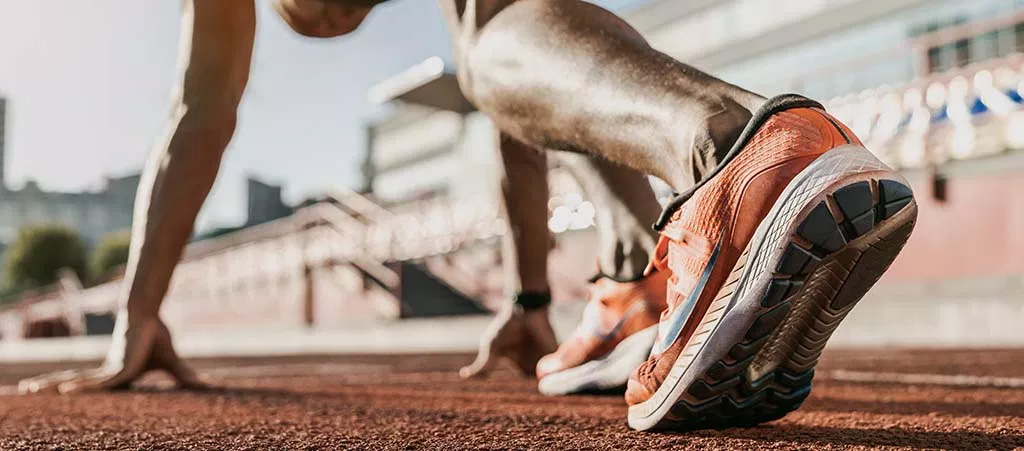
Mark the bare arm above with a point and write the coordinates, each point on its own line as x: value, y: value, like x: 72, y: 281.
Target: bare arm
x: 216, y: 48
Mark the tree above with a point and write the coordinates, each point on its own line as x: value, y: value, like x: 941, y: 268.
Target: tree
x: 9, y: 294
x: 111, y: 253
x: 39, y: 252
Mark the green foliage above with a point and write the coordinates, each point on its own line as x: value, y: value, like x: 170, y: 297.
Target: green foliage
x: 111, y: 253
x: 39, y: 252
x: 10, y: 294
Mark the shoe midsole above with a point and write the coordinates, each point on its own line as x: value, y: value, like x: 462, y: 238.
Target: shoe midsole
x: 608, y: 372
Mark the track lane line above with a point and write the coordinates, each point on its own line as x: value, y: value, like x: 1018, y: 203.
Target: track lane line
x: 952, y: 380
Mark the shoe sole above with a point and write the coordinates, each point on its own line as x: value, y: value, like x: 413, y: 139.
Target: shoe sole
x: 831, y: 235
x: 605, y: 374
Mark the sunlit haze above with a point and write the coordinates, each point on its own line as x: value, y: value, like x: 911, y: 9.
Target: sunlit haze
x: 88, y: 86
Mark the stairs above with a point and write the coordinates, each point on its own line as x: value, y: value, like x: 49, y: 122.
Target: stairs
x: 422, y: 294
x: 343, y: 259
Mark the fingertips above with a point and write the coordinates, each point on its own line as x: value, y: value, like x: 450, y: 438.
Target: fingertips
x: 187, y: 379
x: 479, y: 368
x: 95, y: 380
x: 36, y: 386
x: 46, y: 383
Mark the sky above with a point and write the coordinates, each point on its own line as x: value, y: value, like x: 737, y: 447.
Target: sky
x: 88, y: 85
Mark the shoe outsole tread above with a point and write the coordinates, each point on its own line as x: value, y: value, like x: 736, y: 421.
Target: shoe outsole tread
x: 812, y: 290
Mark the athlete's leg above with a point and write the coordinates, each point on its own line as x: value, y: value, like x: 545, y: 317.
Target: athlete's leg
x: 792, y: 221
x: 621, y: 314
x: 625, y: 209
x: 565, y: 74
x: 543, y: 110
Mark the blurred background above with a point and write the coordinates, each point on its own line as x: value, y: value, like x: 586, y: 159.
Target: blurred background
x: 361, y: 190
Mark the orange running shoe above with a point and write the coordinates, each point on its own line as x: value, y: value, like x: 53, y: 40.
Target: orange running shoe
x: 767, y: 254
x: 615, y: 336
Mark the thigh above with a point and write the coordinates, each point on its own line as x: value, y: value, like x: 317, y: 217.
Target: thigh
x: 625, y: 207
x: 470, y: 15
x: 465, y: 18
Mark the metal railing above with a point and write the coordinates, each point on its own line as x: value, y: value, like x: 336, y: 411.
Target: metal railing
x: 266, y: 269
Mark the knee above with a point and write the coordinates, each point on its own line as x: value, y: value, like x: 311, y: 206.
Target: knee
x: 472, y: 64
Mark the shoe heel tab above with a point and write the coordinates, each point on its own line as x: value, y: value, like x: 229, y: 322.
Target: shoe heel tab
x: 840, y: 127
x: 782, y: 103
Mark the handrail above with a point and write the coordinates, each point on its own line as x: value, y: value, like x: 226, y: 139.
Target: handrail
x: 366, y: 207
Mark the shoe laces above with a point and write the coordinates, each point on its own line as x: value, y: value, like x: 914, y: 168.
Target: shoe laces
x: 659, y: 260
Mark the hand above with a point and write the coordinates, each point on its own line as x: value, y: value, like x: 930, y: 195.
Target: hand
x: 522, y: 337
x: 143, y: 346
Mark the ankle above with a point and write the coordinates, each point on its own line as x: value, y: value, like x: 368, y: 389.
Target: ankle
x: 716, y: 137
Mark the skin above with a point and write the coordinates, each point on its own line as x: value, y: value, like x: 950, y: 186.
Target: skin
x: 641, y: 110
x: 625, y: 241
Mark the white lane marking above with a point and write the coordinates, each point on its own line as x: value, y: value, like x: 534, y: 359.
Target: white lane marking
x: 955, y: 380
x: 267, y: 371
x: 293, y: 370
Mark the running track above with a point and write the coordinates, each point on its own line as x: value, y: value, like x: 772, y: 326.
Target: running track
x: 862, y: 399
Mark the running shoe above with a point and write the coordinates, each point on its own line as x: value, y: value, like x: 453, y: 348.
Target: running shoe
x: 615, y: 336
x: 767, y: 254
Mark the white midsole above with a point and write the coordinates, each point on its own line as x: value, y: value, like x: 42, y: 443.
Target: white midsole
x: 767, y: 246
x: 605, y: 373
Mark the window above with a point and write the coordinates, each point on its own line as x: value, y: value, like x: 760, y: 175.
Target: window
x: 983, y: 46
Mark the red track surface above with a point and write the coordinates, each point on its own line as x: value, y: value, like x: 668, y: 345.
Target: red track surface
x: 416, y: 402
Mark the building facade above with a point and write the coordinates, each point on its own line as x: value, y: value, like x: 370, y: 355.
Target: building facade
x: 420, y: 153
x: 829, y: 48
x: 431, y: 144
x: 91, y: 213
x: 264, y: 202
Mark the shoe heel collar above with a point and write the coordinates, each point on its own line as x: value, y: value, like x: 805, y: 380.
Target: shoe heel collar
x: 771, y: 107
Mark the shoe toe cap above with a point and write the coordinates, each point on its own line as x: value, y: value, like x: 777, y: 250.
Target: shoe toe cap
x: 637, y: 392
x: 551, y: 363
